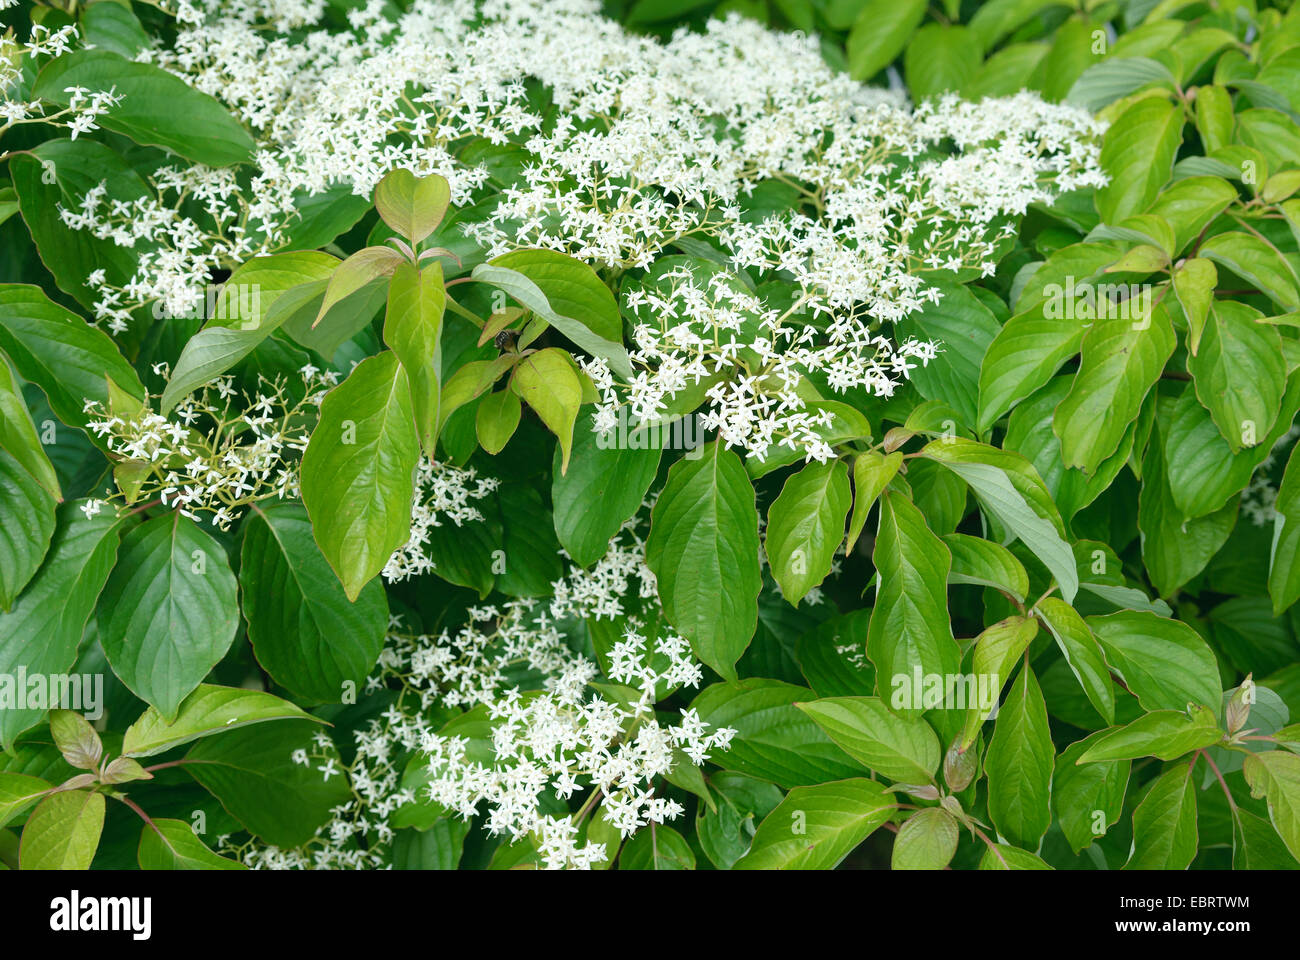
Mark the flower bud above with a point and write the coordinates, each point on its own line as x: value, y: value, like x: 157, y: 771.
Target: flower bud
x: 959, y: 767
x: 1239, y: 706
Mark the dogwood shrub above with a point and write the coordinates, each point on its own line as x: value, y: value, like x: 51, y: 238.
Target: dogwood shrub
x: 499, y: 433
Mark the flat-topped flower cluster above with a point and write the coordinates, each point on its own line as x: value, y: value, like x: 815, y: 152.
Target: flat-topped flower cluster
x: 824, y: 205
x: 550, y: 737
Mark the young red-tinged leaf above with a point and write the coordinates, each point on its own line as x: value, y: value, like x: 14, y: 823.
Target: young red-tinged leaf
x: 63, y: 831
x: 413, y: 206
x: 76, y: 739
x: 927, y: 840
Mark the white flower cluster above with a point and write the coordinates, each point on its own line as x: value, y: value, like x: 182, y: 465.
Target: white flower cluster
x: 83, y: 106
x: 753, y: 358
x: 602, y: 593
x: 826, y: 201
x: 559, y: 741
x: 442, y: 492
x: 548, y: 741
x: 220, y: 449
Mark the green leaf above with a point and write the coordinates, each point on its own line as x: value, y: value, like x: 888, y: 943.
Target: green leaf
x: 413, y: 206
x: 996, y: 19
x: 366, y: 268
x: 833, y: 656
x: 1138, y: 155
x: 926, y: 841
x: 1008, y: 489
x: 1163, y: 662
x: 1259, y: 262
x: 1240, y: 374
x: 726, y: 831
x: 1004, y: 857
x: 18, y: 437
x: 774, y: 739
x: 305, y: 632
x: 1214, y: 116
x: 703, y: 550
x: 1122, y: 360
x: 413, y: 329
x: 1193, y: 286
x: 17, y: 791
x: 997, y: 649
x: 169, y: 612
x: 816, y: 827
x: 1191, y: 204
x: 902, y: 749
x: 229, y: 338
x: 1164, y: 823
x: 1088, y: 798
x: 604, y: 486
x: 172, y: 845
x: 1033, y: 344
x: 547, y: 382
x: 152, y: 106
x: 1175, y: 549
x: 805, y: 527
x: 43, y: 631
x: 568, y: 295
x: 1165, y: 734
x: 252, y: 773
x: 1284, y: 555
x: 438, y: 848
x: 63, y: 831
x: 1081, y: 652
x: 909, y: 622
x: 1104, y: 83
x: 940, y: 59
x: 112, y: 26
x: 986, y: 564
x: 1256, y: 845
x: 209, y: 710
x: 28, y: 509
x: 1203, y: 473
x: 879, y: 33
x: 1275, y: 775
x: 45, y: 177
x: 60, y: 353
x: 496, y: 420
x: 656, y: 847
x: 965, y: 328
x: 1019, y: 764
x: 872, y: 472
x: 358, y: 471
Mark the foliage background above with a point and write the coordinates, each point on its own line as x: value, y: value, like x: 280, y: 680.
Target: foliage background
x: 1187, y: 513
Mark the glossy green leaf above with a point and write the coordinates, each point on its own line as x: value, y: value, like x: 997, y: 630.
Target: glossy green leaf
x: 358, y: 471
x: 169, y: 611
x: 703, y: 550
x: 1019, y: 764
